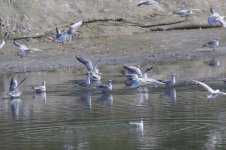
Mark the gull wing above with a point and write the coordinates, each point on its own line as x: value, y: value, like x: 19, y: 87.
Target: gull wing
x: 222, y: 93
x: 221, y: 21
x: 133, y: 70
x: 86, y: 62
x: 150, y: 80
x: 31, y: 50
x: 148, y: 68
x: 205, y: 86
x: 21, y: 46
x: 73, y: 28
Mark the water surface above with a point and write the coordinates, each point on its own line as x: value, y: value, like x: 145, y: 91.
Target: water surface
x: 70, y: 117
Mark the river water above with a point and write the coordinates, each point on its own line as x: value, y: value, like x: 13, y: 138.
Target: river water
x: 70, y: 117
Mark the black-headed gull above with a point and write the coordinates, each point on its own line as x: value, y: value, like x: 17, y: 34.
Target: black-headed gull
x: 41, y: 88
x: 212, y: 44
x: 64, y: 36
x: 24, y: 50
x: 213, y: 93
x: 137, y: 124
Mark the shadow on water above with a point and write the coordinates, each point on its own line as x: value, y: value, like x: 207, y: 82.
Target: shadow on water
x: 71, y: 117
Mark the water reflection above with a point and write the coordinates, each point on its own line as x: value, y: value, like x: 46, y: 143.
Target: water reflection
x: 172, y: 94
x: 40, y: 96
x: 214, y: 62
x: 86, y: 99
x: 106, y: 98
x: 15, y: 107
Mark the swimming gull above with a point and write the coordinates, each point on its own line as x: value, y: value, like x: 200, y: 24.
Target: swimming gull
x: 105, y: 87
x: 92, y: 71
x: 64, y: 36
x: 147, y: 2
x: 24, y: 50
x: 170, y: 82
x: 41, y: 88
x: 85, y: 83
x: 212, y: 44
x: 213, y: 93
x: 138, y: 124
x: 215, y: 19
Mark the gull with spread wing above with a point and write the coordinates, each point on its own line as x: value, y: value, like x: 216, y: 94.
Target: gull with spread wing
x: 187, y: 12
x: 215, y: 19
x: 213, y: 93
x: 24, y: 50
x: 64, y: 36
x: 92, y: 71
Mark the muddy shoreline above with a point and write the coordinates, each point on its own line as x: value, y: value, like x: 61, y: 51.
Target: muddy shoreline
x: 150, y: 47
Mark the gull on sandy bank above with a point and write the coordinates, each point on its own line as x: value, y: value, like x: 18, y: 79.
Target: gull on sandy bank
x: 213, y: 93
x: 24, y: 50
x: 2, y: 43
x: 215, y: 19
x: 137, y: 124
x: 41, y: 88
x: 62, y: 37
x: 92, y: 71
x: 105, y: 87
x: 187, y: 12
x: 212, y: 44
x: 147, y: 2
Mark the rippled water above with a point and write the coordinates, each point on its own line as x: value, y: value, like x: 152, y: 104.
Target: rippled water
x: 70, y: 117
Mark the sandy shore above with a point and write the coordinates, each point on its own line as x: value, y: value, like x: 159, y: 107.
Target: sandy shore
x: 153, y: 47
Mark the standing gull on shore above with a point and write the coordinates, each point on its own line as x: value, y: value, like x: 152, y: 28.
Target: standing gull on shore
x: 24, y: 50
x: 2, y: 43
x: 212, y: 44
x: 92, y: 71
x: 215, y: 19
x: 62, y: 37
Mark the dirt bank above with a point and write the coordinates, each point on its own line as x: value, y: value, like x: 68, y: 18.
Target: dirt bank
x: 118, y: 31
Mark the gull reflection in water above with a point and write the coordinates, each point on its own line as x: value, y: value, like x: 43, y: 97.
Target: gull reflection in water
x: 172, y: 94
x: 213, y: 62
x: 15, y: 107
x: 141, y: 96
x: 86, y: 99
x: 106, y: 98
x: 40, y: 95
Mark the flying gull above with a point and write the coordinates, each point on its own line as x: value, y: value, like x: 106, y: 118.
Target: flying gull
x: 24, y: 50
